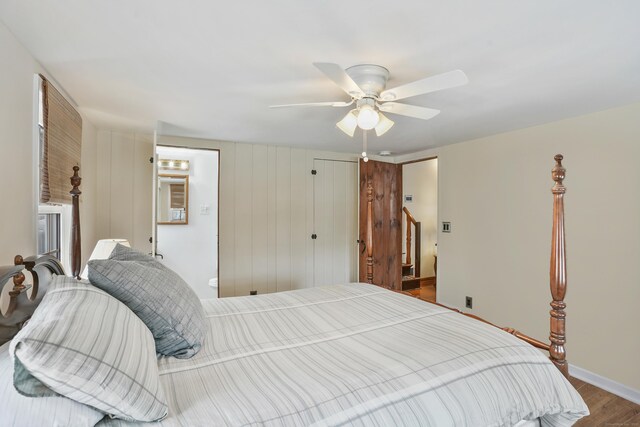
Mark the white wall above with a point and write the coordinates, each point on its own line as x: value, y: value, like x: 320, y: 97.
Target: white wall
x: 123, y: 187
x: 420, y: 180
x: 496, y: 193
x: 88, y: 198
x: 17, y: 226
x: 17, y: 127
x: 192, y: 249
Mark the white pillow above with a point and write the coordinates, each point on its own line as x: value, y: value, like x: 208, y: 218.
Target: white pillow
x: 86, y: 345
x: 18, y: 410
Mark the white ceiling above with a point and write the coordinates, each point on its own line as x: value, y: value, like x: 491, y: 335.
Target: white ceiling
x: 210, y: 68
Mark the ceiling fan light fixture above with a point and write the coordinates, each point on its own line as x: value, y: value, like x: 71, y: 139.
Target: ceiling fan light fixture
x: 348, y: 124
x: 368, y: 117
x: 384, y: 124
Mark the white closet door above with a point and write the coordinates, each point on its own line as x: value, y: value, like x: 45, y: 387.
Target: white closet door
x: 335, y: 219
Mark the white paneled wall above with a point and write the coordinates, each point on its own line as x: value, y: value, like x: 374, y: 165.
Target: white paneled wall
x: 266, y: 207
x: 123, y: 194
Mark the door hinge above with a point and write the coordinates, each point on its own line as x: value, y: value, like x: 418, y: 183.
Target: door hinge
x: 314, y: 172
x: 150, y: 159
x: 314, y: 236
x: 151, y: 239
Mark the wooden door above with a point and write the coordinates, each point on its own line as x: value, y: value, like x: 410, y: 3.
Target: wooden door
x: 381, y: 224
x: 335, y: 218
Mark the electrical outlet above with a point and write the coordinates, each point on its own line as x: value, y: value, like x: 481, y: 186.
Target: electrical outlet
x: 446, y: 227
x: 468, y: 302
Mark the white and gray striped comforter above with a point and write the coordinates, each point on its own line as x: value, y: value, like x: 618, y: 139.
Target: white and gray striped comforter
x: 359, y: 355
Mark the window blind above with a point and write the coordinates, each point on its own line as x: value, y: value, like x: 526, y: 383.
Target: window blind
x: 61, y: 148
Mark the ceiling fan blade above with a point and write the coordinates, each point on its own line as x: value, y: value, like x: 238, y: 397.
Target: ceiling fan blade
x: 409, y: 110
x: 429, y: 84
x: 315, y: 104
x: 339, y: 77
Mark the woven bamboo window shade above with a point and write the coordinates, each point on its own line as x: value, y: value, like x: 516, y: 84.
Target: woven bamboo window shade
x: 61, y: 147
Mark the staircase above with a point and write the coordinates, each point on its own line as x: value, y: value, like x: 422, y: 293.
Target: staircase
x: 409, y: 280
x: 411, y: 273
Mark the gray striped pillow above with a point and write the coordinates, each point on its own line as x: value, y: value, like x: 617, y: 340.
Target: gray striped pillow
x: 86, y: 345
x: 164, y: 302
x: 18, y: 410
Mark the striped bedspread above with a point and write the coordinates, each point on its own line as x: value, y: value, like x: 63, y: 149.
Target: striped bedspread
x: 359, y: 355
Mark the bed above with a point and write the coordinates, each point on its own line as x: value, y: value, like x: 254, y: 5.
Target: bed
x: 347, y: 354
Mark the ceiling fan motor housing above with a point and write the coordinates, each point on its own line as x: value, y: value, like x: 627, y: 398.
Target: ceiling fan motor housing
x: 372, y: 79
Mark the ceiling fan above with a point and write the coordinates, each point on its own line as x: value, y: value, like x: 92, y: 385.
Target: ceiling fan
x: 365, y: 84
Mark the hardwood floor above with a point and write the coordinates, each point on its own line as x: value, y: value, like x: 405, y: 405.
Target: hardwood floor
x: 427, y: 293
x: 607, y: 409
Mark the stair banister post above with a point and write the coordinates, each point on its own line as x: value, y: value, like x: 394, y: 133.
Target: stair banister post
x: 408, y: 257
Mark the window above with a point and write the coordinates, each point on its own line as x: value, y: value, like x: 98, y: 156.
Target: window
x: 49, y: 216
x: 53, y: 219
x: 49, y: 234
x: 58, y: 141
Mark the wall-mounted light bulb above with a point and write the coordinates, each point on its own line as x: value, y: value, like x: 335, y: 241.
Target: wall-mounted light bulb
x: 366, y: 159
x: 364, y: 154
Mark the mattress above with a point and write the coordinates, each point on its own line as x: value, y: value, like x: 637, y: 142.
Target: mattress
x: 359, y: 355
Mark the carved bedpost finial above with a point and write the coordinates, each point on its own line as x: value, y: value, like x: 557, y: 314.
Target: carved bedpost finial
x: 18, y: 260
x: 558, y: 271
x: 75, y: 182
x: 557, y: 173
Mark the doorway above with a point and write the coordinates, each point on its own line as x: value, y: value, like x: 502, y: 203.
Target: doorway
x: 187, y: 215
x: 380, y: 224
x: 420, y: 228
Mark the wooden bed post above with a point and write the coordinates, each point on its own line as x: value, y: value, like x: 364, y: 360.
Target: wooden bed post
x: 558, y: 271
x: 76, y: 255
x: 369, y: 232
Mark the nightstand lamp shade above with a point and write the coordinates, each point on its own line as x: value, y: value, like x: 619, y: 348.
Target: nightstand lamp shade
x: 102, y: 250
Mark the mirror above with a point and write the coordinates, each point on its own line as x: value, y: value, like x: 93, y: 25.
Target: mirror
x: 173, y: 199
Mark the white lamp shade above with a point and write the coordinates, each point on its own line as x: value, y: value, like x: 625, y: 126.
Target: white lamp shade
x: 348, y: 124
x: 102, y: 250
x: 383, y: 125
x: 368, y: 117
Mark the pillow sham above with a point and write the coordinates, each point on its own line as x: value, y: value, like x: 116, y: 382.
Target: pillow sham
x: 86, y: 345
x: 56, y: 410
x: 164, y: 302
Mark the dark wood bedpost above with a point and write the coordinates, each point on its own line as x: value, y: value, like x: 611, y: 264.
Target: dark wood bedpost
x: 558, y: 271
x: 76, y: 255
x: 369, y: 232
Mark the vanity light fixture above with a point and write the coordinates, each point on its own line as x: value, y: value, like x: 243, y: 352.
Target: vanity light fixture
x: 169, y: 164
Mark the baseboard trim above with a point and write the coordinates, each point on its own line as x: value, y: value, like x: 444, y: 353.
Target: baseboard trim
x: 611, y: 386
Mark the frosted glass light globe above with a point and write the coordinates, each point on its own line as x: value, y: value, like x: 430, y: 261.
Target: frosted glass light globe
x: 368, y: 117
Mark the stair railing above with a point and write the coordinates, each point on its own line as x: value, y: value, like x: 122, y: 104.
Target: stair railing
x: 411, y: 220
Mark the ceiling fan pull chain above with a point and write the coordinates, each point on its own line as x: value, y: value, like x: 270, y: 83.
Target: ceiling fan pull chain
x: 364, y: 146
